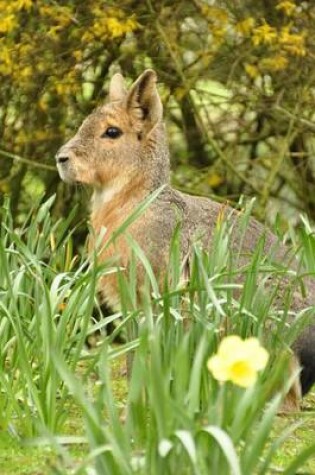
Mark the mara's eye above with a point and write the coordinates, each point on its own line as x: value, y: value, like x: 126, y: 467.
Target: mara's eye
x: 112, y: 133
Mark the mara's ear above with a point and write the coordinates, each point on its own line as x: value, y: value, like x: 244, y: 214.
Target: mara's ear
x: 117, y: 91
x: 143, y: 100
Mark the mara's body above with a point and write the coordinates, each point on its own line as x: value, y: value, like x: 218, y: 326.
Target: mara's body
x: 121, y: 150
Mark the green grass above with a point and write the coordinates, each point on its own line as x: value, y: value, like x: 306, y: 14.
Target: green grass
x: 301, y: 438
x: 66, y: 409
x: 18, y: 458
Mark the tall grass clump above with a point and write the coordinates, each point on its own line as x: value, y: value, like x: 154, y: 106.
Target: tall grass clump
x: 178, y: 417
x: 46, y: 299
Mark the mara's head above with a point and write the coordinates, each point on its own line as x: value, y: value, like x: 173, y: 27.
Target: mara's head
x: 121, y: 140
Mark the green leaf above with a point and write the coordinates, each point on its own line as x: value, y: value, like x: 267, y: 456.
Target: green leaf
x: 227, y: 447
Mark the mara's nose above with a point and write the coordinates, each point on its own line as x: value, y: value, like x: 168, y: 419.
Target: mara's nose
x: 62, y: 158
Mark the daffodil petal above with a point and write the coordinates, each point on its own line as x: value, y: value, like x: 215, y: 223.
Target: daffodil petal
x: 256, y: 354
x: 230, y: 346
x: 218, y: 368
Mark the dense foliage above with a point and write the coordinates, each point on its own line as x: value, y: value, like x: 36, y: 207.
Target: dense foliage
x: 237, y: 81
x: 189, y: 405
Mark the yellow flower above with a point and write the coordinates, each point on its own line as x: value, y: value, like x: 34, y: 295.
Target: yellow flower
x: 27, y: 4
x: 7, y: 23
x: 115, y: 27
x: 215, y: 14
x: 26, y: 72
x: 238, y: 361
x: 218, y: 34
x: 6, y: 60
x: 296, y: 50
x: 292, y: 42
x: 264, y: 34
x: 78, y: 55
x: 251, y: 70
x: 244, y: 27
x: 274, y: 63
x: 287, y: 7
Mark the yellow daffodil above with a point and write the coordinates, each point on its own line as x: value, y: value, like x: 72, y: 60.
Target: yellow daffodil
x: 238, y: 361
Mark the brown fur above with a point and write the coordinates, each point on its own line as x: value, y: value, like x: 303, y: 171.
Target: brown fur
x: 110, y: 218
x: 294, y: 396
x: 126, y: 169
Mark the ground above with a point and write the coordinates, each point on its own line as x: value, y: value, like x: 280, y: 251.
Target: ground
x: 18, y: 458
